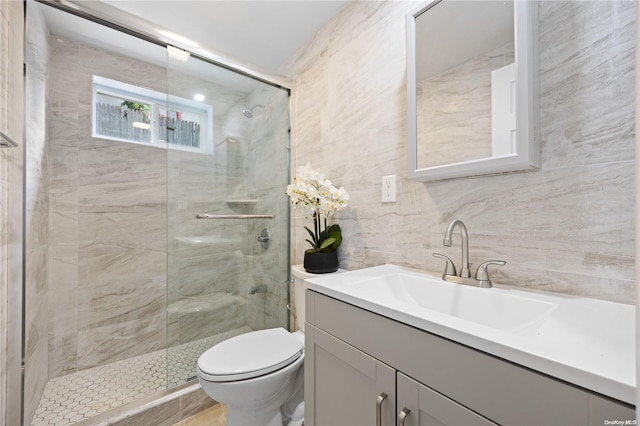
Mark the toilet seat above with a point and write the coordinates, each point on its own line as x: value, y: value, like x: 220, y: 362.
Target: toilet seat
x: 249, y: 355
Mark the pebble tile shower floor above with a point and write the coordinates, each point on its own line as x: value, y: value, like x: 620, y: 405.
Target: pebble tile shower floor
x: 69, y: 399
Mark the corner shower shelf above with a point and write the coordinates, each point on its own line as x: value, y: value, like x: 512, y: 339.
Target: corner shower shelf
x: 241, y: 203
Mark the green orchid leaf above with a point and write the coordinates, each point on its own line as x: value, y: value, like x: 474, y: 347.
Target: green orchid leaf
x: 326, y: 243
x: 330, y: 239
x: 314, y: 249
x: 335, y: 233
x: 313, y: 236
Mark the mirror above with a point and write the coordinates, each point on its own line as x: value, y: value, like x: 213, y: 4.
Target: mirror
x: 472, y: 88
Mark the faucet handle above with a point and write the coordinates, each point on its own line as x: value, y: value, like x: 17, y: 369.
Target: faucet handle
x: 450, y: 268
x: 482, y: 275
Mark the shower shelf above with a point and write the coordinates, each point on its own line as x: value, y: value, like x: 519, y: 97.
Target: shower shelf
x: 6, y: 141
x: 240, y: 203
x: 235, y: 216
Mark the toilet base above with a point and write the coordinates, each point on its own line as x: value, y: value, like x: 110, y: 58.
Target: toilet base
x: 289, y: 413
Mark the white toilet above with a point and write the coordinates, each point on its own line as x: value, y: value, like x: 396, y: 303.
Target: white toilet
x: 259, y: 375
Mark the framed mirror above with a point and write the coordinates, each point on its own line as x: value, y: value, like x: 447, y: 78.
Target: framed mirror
x: 472, y: 88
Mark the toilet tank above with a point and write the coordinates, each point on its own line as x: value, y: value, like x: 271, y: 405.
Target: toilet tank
x: 299, y: 286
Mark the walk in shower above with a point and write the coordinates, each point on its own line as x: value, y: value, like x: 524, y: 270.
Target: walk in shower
x: 157, y: 221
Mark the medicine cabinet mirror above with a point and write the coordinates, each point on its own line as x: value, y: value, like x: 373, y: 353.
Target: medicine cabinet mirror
x: 472, y: 88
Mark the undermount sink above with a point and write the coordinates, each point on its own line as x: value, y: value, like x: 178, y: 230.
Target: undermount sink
x: 489, y: 307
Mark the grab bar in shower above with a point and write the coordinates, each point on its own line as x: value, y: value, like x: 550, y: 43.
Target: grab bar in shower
x: 234, y: 216
x: 6, y: 141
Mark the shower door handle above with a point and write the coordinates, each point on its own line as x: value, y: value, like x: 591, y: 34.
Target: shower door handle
x: 234, y: 216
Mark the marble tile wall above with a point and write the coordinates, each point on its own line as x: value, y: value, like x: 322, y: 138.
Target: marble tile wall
x: 11, y: 200
x: 205, y: 256
x: 566, y: 228
x: 268, y: 170
x: 107, y: 224
x: 4, y: 189
x: 36, y: 210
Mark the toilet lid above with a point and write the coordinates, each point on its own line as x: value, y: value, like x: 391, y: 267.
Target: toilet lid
x: 250, y: 355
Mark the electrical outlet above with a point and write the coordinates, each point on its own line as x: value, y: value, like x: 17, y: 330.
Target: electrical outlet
x: 389, y: 189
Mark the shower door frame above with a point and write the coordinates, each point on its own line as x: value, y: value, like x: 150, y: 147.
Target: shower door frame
x: 113, y: 18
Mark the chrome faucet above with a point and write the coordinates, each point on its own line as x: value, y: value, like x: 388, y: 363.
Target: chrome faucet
x: 464, y: 272
x: 482, y: 275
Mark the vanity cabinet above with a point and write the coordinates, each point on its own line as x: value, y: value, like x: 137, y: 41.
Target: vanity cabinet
x: 354, y: 355
x: 346, y: 384
x: 352, y: 388
x: 425, y: 407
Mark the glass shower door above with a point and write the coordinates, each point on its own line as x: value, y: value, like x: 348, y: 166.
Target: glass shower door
x: 228, y: 227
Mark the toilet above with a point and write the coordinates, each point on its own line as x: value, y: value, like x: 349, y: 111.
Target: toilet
x: 259, y: 375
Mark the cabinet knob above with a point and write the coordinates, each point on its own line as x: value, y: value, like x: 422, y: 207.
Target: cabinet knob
x: 379, y: 401
x: 403, y: 415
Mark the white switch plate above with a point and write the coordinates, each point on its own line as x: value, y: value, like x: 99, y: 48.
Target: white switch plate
x: 389, y: 189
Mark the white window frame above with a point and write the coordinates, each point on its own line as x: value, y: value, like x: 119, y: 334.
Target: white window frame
x: 156, y: 100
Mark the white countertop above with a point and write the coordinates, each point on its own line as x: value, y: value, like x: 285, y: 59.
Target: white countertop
x: 587, y: 342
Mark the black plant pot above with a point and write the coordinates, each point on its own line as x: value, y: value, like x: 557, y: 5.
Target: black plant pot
x: 321, y: 263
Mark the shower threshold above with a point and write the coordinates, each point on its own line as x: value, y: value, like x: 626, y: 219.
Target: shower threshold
x: 78, y: 396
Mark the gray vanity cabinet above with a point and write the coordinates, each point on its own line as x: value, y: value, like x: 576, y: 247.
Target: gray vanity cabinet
x: 350, y: 388
x: 354, y: 355
x: 426, y: 407
x: 346, y: 384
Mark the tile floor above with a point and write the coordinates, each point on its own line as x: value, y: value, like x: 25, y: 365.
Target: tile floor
x: 214, y: 416
x: 78, y: 396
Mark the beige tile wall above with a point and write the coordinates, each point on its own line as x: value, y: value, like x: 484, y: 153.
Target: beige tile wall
x: 11, y: 200
x: 566, y: 228
x: 107, y: 222
x: 36, y: 210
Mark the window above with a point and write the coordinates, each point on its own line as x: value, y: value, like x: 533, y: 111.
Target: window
x: 127, y: 113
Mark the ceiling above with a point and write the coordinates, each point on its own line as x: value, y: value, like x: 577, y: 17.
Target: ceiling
x: 262, y: 34
x: 254, y: 37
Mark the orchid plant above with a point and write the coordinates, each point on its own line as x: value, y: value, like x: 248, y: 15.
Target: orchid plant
x: 314, y: 193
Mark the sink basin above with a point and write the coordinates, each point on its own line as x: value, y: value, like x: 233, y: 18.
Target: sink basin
x: 490, y: 307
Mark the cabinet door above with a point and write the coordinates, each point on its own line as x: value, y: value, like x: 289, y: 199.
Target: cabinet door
x: 604, y: 411
x: 343, y: 385
x: 427, y: 407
